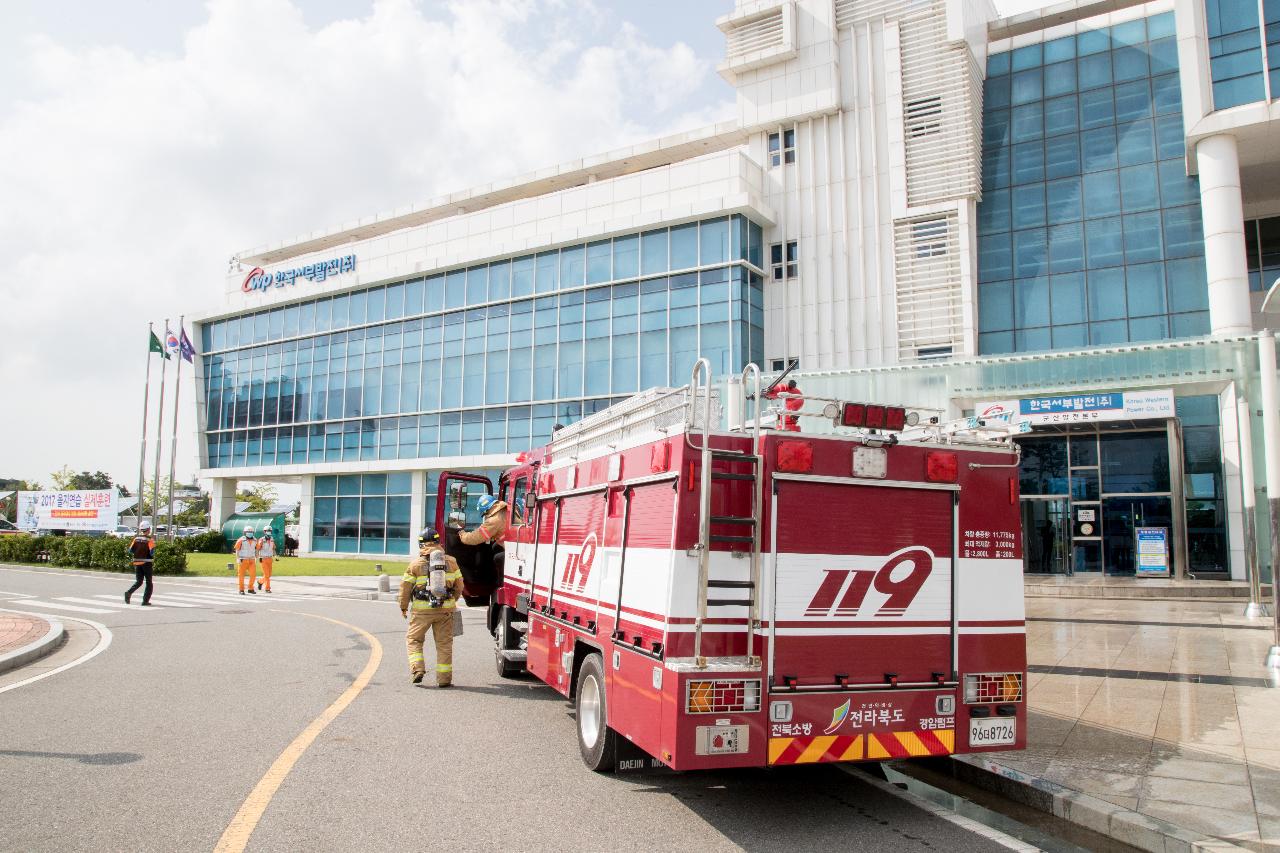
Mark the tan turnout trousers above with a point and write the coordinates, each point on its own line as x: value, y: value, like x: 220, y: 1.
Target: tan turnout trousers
x: 440, y: 621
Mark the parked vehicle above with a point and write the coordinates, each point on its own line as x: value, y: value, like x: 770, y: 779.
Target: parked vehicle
x: 713, y: 598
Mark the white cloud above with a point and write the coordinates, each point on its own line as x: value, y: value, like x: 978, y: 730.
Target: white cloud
x: 128, y: 178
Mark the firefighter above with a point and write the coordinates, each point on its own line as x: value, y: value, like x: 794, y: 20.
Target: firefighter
x: 431, y: 587
x: 793, y: 402
x: 143, y: 551
x: 494, y: 526
x: 246, y: 551
x: 266, y: 553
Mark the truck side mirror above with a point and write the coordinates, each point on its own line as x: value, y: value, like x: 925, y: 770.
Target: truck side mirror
x: 457, y: 519
x: 457, y: 495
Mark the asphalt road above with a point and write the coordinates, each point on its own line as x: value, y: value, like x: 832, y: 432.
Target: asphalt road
x: 155, y: 743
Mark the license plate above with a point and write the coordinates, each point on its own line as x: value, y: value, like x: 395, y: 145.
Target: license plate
x: 997, y: 731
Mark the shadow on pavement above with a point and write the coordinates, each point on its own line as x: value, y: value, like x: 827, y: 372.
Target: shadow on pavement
x: 100, y: 758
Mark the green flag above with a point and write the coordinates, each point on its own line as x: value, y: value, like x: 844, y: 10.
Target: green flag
x: 155, y: 346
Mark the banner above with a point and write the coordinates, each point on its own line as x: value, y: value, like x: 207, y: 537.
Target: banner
x: 93, y: 509
x: 1085, y: 408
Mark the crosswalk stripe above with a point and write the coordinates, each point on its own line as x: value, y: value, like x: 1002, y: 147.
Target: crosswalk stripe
x: 223, y: 598
x: 114, y: 602
x: 31, y: 602
x: 155, y: 601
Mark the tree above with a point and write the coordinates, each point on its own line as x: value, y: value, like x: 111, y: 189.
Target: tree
x: 195, y: 513
x: 65, y: 479
x: 260, y: 497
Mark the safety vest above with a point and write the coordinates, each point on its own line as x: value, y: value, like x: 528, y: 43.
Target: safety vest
x: 266, y: 548
x: 246, y: 549
x: 421, y: 582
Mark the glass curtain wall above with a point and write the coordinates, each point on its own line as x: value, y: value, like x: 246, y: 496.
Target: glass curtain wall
x: 484, y: 359
x: 1244, y: 54
x: 362, y: 513
x: 1089, y: 228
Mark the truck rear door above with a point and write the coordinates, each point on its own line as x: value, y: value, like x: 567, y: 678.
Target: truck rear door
x: 862, y: 588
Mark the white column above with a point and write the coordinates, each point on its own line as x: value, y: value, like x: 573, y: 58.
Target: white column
x: 417, y: 507
x: 1219, y: 163
x: 222, y: 501
x: 306, y: 513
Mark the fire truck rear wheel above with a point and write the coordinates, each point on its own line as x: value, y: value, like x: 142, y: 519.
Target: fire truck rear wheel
x: 505, y: 637
x: 596, y: 741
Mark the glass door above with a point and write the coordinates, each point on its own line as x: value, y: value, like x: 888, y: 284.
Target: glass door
x: 1046, y: 535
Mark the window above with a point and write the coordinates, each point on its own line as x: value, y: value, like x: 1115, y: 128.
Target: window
x: 782, y: 147
x: 777, y: 365
x: 520, y: 510
x: 929, y: 238
x: 790, y: 268
x: 924, y: 116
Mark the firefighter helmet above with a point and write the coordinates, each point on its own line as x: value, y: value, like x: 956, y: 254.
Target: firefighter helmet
x: 485, y: 503
x: 428, y: 536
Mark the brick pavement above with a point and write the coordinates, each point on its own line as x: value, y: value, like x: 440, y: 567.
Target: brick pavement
x: 18, y: 630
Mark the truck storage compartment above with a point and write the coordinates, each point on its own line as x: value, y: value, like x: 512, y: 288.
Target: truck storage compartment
x: 863, y: 587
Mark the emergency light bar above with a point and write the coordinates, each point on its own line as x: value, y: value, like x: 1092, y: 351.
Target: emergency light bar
x: 875, y: 416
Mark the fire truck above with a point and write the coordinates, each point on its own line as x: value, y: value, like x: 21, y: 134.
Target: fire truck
x: 713, y: 597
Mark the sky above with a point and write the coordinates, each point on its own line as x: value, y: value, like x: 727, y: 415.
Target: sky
x: 144, y: 142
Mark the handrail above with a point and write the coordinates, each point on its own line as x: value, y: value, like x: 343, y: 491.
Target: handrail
x: 702, y: 367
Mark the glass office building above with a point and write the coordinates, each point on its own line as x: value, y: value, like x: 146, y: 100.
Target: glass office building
x: 1089, y: 229
x: 474, y: 361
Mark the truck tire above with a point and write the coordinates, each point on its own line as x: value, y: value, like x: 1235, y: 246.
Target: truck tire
x: 596, y: 741
x: 506, y: 637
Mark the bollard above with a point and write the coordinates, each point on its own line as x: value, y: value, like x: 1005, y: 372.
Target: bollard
x: 231, y: 567
x: 384, y: 580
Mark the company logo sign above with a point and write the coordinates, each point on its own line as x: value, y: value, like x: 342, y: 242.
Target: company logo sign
x: 844, y: 591
x: 578, y: 567
x: 258, y: 279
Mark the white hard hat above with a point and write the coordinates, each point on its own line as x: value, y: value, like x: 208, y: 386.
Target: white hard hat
x: 248, y: 528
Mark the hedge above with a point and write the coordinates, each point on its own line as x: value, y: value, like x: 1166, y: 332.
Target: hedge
x: 212, y: 542
x: 85, y: 552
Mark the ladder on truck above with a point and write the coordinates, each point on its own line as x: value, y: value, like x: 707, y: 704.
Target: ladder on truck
x: 711, y: 590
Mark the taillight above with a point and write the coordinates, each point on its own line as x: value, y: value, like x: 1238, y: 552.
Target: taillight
x: 795, y: 456
x: 853, y: 414
x: 993, y: 687
x: 722, y: 696
x: 941, y: 466
x: 660, y: 457
x: 875, y: 417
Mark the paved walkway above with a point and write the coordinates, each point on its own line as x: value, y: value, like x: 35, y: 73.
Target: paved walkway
x: 18, y: 631
x: 1158, y: 706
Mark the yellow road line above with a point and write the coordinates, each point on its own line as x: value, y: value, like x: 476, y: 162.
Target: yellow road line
x: 236, y: 836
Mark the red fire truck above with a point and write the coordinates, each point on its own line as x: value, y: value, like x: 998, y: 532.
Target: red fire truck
x: 746, y: 597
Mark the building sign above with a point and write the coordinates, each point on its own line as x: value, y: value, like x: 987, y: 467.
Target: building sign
x: 258, y: 279
x: 1151, y: 552
x: 90, y: 509
x: 1085, y: 408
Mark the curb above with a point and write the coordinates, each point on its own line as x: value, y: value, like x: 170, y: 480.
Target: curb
x: 35, y: 649
x: 1130, y: 827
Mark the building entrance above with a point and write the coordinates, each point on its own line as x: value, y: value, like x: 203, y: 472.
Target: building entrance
x: 1086, y: 489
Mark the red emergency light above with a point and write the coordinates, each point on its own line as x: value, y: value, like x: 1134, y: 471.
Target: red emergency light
x: 871, y: 416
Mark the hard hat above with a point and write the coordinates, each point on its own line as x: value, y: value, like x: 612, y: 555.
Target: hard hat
x: 248, y: 528
x: 485, y: 502
x: 146, y: 525
x: 428, y: 536
x: 267, y: 533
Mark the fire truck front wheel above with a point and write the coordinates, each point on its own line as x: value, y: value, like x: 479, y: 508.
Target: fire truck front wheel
x: 596, y: 741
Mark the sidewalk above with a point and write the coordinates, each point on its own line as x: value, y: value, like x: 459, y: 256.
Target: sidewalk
x: 1157, y: 706
x: 25, y: 638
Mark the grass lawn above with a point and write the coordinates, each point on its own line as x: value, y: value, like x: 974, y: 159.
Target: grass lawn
x: 215, y: 565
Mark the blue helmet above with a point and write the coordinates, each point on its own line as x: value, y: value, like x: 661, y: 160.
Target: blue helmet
x: 486, y: 503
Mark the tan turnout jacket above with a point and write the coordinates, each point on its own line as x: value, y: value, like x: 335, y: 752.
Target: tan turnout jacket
x: 492, y: 529
x: 418, y: 569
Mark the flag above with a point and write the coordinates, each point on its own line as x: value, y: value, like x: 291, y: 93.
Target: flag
x: 155, y: 346
x: 170, y: 342
x: 188, y: 349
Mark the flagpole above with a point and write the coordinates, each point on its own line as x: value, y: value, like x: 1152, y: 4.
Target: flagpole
x: 155, y: 484
x: 173, y: 444
x: 142, y: 456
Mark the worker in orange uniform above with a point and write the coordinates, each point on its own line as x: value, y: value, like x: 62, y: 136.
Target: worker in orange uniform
x: 793, y: 401
x: 246, y: 551
x: 266, y: 554
x: 494, y: 526
x: 142, y: 550
x: 431, y: 587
